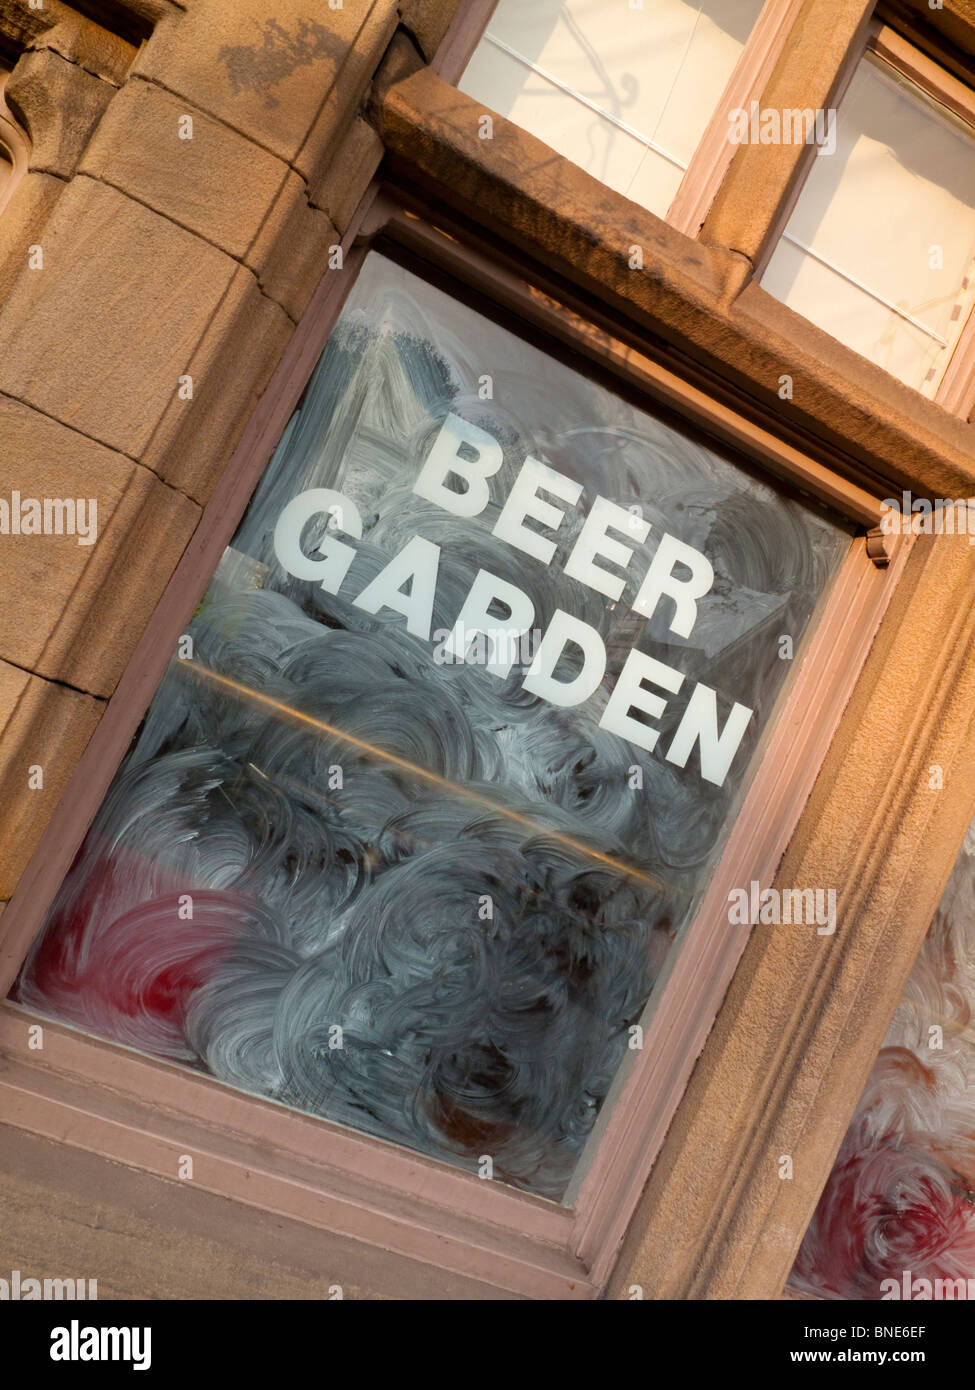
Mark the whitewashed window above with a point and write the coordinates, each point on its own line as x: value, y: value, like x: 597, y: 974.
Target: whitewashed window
x: 437, y: 778
x: 624, y: 90
x: 879, y: 248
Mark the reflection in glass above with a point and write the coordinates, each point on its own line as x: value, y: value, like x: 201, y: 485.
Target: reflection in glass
x: 405, y: 892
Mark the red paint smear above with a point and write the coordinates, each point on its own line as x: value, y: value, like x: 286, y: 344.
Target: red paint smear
x: 122, y: 962
x: 888, y: 1207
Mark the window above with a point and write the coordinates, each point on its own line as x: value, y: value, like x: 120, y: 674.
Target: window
x: 879, y: 248
x: 897, y: 1215
x: 422, y: 812
x: 624, y: 90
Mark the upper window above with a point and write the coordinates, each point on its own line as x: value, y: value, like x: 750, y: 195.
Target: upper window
x: 879, y: 248
x: 625, y: 90
x: 431, y: 791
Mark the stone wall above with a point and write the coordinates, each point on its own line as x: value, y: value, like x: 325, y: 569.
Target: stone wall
x: 162, y: 257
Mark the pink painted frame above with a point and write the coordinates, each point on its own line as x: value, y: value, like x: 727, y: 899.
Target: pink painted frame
x: 463, y: 35
x: 714, y: 153
x: 145, y: 1113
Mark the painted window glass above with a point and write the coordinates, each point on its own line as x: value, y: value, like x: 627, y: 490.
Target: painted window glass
x: 879, y: 248
x: 898, y: 1212
x: 439, y: 772
x: 624, y: 91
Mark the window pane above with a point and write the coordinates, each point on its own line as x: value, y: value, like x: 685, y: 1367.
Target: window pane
x: 879, y: 248
x: 900, y: 1202
x: 624, y: 92
x: 423, y: 896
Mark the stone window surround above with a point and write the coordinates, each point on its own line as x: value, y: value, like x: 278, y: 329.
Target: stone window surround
x: 567, y: 1252
x: 709, y: 322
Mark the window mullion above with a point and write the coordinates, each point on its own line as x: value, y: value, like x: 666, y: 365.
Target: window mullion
x: 757, y: 194
x: 715, y: 151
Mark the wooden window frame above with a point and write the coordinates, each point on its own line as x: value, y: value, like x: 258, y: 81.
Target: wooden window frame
x: 146, y: 1113
x: 715, y: 151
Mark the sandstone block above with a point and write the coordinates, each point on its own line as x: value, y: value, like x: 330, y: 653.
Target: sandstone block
x: 229, y: 369
x: 291, y: 253
x: 265, y: 75
x: 59, y: 28
x: 22, y: 225
x: 428, y: 22
x: 76, y: 602
x: 347, y: 177
x: 346, y: 93
x: 100, y: 335
x: 59, y: 105
x: 45, y: 727
x: 203, y: 175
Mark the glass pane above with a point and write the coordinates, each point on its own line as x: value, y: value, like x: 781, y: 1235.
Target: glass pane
x: 624, y: 90
x: 423, y: 895
x: 879, y: 248
x: 898, y: 1211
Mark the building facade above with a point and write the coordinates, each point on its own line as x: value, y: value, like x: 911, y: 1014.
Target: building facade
x: 296, y: 300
